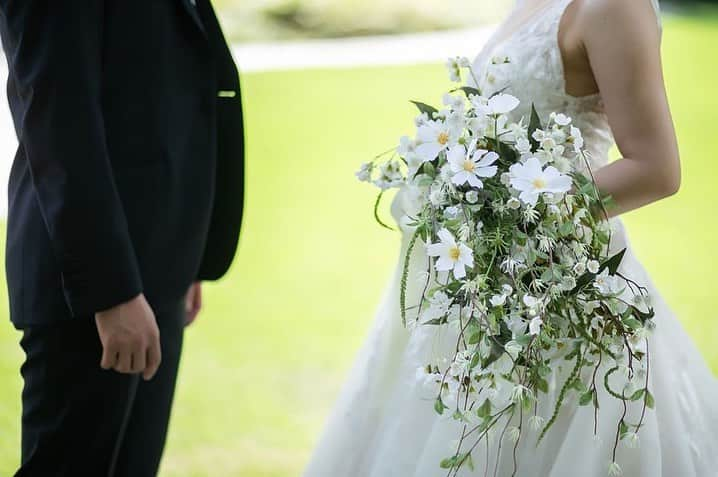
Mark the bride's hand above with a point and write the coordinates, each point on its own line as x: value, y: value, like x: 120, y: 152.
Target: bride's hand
x: 193, y: 302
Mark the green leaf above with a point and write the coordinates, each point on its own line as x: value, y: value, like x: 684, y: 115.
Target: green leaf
x: 613, y: 263
x: 435, y: 321
x: 638, y: 394
x: 468, y: 91
x: 565, y: 229
x: 632, y: 323
x: 534, y: 124
x: 425, y: 108
x: 449, y: 463
x: 542, y: 385
x: 429, y: 169
x: 439, y: 406
x: 622, y: 427
x: 650, y: 402
x: 484, y: 410
x: 475, y: 360
x: 586, y: 398
x: 523, y: 340
x: 544, y: 370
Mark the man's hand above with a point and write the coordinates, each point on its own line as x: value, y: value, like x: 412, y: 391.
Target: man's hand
x: 130, y: 338
x: 193, y: 302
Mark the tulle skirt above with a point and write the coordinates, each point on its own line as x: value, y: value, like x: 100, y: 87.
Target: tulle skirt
x: 384, y: 423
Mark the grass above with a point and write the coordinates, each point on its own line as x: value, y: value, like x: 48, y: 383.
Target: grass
x: 271, y: 348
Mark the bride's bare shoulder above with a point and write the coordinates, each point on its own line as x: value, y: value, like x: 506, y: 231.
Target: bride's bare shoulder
x: 616, y: 17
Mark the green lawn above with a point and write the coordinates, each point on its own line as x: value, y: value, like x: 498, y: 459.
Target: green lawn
x: 267, y: 357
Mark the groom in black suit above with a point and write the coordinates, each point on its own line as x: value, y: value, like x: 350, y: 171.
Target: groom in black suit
x: 125, y: 192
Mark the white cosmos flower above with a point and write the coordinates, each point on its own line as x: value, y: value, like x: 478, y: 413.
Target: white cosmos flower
x: 453, y: 256
x: 502, y: 104
x: 434, y: 137
x: 470, y: 167
x: 535, y: 325
x: 532, y: 180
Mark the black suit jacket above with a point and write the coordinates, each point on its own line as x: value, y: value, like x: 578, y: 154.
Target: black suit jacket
x: 129, y: 173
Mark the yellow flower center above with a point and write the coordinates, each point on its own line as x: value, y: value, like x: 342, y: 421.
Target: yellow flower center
x: 454, y: 253
x: 539, y: 183
x: 443, y: 138
x: 469, y: 166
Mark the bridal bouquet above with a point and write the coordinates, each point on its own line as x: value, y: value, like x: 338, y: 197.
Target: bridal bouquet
x: 517, y: 239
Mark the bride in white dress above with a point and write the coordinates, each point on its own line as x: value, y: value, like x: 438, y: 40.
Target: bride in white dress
x: 384, y: 424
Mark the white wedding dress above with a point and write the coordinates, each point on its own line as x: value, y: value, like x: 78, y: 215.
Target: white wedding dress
x: 384, y: 424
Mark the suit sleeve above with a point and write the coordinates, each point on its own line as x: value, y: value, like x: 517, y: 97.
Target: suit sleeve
x: 54, y: 51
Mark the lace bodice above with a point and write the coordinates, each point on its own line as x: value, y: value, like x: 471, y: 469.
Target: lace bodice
x: 534, y: 73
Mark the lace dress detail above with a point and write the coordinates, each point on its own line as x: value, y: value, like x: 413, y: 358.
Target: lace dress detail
x: 384, y: 425
x: 535, y: 73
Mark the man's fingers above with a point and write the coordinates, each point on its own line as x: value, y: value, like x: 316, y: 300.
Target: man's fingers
x: 139, y: 360
x: 109, y: 358
x: 154, y: 357
x: 124, y: 362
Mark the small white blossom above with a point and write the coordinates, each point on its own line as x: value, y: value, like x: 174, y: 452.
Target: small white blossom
x: 607, y: 284
x: 614, y: 470
x: 364, y: 172
x: 453, y: 66
x: 593, y: 266
x: 536, y: 422
x: 454, y: 101
x: 452, y: 212
x: 439, y: 305
x: 579, y: 268
x: 560, y: 119
x: 519, y: 393
x: 505, y: 178
x: 502, y: 104
x: 390, y: 175
x: 523, y: 146
x: 632, y: 440
x: 535, y: 325
x: 576, y: 139
x: 497, y: 300
x: 472, y: 197
x: 513, y: 433
x: 513, y: 203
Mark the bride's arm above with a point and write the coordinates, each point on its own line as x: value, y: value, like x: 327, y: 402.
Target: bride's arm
x: 622, y: 42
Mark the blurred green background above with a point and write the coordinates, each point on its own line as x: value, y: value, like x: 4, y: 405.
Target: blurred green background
x: 265, y: 361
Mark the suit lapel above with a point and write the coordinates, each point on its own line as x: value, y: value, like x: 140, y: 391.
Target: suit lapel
x: 191, y: 9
